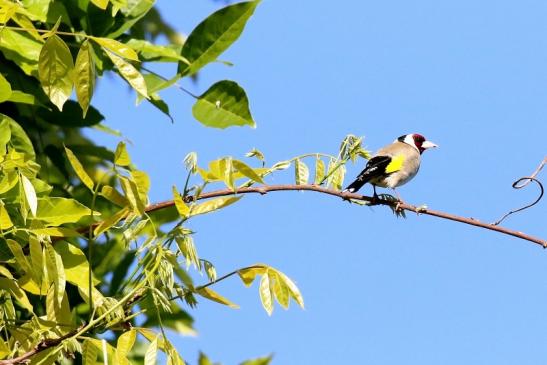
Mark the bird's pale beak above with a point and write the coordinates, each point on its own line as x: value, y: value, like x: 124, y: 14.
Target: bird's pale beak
x: 428, y: 144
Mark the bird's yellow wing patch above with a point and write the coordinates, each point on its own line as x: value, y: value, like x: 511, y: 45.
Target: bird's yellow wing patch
x: 396, y: 164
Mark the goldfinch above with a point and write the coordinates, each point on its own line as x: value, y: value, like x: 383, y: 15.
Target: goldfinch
x: 394, y: 164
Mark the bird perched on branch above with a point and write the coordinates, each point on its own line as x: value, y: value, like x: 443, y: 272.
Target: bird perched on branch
x: 394, y: 164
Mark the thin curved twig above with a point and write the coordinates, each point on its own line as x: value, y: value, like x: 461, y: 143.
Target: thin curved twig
x: 522, y: 182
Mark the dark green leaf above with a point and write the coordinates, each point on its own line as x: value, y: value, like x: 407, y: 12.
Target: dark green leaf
x: 214, y: 35
x: 225, y: 104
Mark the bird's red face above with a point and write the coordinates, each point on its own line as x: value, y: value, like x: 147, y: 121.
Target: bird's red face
x: 418, y: 141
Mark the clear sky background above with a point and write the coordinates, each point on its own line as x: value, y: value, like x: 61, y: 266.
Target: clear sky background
x: 469, y: 75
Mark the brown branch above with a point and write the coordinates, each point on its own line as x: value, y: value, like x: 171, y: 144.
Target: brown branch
x: 264, y: 189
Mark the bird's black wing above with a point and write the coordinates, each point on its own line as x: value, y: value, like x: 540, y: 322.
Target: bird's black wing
x: 376, y: 166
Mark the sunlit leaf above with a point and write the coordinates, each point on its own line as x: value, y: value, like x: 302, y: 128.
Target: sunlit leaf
x: 84, y: 79
x: 319, y: 170
x: 132, y: 194
x: 20, y: 258
x: 16, y: 292
x: 55, y: 272
x: 30, y: 194
x: 57, y: 211
x: 266, y: 294
x: 224, y: 104
x: 279, y: 288
x: 55, y: 232
x: 248, y: 275
x: 102, y: 4
x: 5, y: 220
x: 216, y: 297
x: 79, y: 169
x: 301, y: 172
x: 55, y: 70
x: 114, y: 196
x: 124, y: 345
x: 214, y: 35
x: 110, y: 221
x: 121, y: 157
x: 130, y: 73
x: 247, y: 171
x: 258, y: 361
x: 182, y: 207
x: 151, y: 353
x: 89, y: 353
x: 212, y: 205
x: 118, y: 48
x: 5, y: 89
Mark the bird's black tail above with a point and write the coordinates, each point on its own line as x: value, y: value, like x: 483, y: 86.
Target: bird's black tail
x: 357, y: 184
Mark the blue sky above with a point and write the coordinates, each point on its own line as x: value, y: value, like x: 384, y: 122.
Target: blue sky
x: 469, y: 75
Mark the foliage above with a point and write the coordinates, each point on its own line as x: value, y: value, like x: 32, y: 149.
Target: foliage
x: 89, y: 270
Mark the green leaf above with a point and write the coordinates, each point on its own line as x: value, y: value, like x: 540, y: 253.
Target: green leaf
x: 319, y: 170
x: 224, y: 104
x: 16, y: 292
x: 258, y: 361
x: 114, y: 196
x: 20, y: 257
x: 37, y: 259
x: 124, y: 345
x: 118, y: 48
x: 5, y: 220
x: 301, y: 172
x: 30, y: 194
x: 266, y: 294
x: 22, y: 49
x: 55, y: 272
x: 79, y: 169
x: 248, y: 274
x: 213, y: 205
x: 152, y: 52
x: 293, y: 289
x: 132, y: 194
x: 89, y: 353
x: 110, y: 221
x: 57, y: 211
x: 102, y: 4
x: 130, y: 73
x: 5, y: 89
x: 56, y: 232
x: 84, y: 76
x: 203, y: 359
x: 74, y: 262
x: 182, y: 207
x: 151, y: 354
x: 21, y: 97
x: 55, y: 70
x: 214, y: 35
x: 279, y: 288
x: 121, y: 157
x: 216, y: 297
x: 247, y: 171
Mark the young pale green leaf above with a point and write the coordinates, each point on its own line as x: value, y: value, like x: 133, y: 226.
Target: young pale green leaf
x: 79, y: 169
x: 281, y: 165
x: 30, y: 194
x: 204, y: 360
x: 214, y: 35
x: 279, y: 288
x: 57, y: 211
x: 132, y: 194
x: 5, y: 89
x: 266, y: 293
x: 216, y: 297
x: 213, y: 205
x: 319, y: 170
x: 223, y: 105
x: 84, y: 76
x: 16, y: 292
x: 258, y: 361
x: 293, y: 289
x: 114, y: 196
x: 20, y: 258
x: 182, y: 207
x: 338, y: 177
x: 55, y: 272
x: 142, y: 181
x: 110, y: 221
x: 247, y: 171
x: 248, y: 274
x: 55, y: 232
x: 55, y: 70
x: 102, y: 4
x: 226, y: 171
x: 5, y: 220
x: 129, y: 73
x: 89, y: 353
x: 121, y: 157
x: 37, y: 259
x: 151, y: 354
x: 124, y: 345
x: 118, y: 48
x: 301, y: 172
